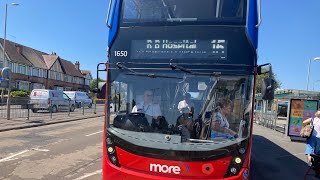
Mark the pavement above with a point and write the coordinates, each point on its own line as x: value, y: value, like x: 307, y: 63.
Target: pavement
x: 44, y: 119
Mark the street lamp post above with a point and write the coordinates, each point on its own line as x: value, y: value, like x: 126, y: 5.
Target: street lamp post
x: 315, y: 59
x: 5, y: 64
x: 314, y: 83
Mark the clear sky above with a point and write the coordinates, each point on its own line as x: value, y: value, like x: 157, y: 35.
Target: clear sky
x: 75, y: 29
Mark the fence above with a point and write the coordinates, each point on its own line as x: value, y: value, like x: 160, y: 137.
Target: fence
x: 24, y: 108
x: 270, y: 120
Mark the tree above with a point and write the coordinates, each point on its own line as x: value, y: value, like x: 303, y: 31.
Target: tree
x: 262, y: 76
x: 93, y: 84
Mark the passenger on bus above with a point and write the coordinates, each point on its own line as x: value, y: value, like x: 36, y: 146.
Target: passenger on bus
x: 220, y: 126
x: 185, y: 120
x: 186, y: 105
x: 185, y: 124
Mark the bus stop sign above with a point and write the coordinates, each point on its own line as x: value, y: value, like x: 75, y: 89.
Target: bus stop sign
x: 6, y: 73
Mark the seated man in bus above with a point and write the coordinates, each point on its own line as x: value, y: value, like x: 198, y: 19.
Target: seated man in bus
x: 155, y: 119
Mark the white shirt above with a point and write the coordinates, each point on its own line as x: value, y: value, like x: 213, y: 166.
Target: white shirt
x: 316, y: 127
x: 185, y: 107
x: 149, y: 109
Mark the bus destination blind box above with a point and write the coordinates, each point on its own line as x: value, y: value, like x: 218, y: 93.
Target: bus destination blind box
x: 215, y: 49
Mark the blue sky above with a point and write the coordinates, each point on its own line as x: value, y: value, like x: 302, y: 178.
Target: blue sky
x: 75, y: 29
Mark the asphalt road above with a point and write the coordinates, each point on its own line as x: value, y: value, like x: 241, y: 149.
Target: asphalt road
x: 276, y: 157
x: 73, y: 151
x: 62, y: 151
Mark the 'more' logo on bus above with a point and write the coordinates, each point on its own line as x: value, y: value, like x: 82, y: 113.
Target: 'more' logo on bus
x: 165, y: 168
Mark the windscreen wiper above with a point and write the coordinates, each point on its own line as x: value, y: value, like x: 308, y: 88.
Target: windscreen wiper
x: 134, y: 73
x: 182, y: 19
x: 183, y: 69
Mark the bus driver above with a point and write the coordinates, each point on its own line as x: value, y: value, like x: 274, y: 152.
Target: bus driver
x: 147, y: 106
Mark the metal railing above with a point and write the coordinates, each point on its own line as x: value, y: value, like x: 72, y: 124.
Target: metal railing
x: 24, y: 108
x: 270, y: 120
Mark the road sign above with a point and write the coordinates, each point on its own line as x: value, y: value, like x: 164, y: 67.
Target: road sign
x: 4, y: 83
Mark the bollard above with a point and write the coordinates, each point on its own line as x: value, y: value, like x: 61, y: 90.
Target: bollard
x: 50, y: 108
x: 69, y: 109
x: 82, y: 108
x: 95, y: 106
x: 28, y: 109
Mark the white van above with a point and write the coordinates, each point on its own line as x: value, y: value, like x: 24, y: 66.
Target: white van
x: 80, y: 98
x: 43, y: 99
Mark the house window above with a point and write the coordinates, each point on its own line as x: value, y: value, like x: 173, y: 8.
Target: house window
x: 36, y: 86
x: 35, y: 72
x: 22, y: 85
x: 58, y: 76
x: 22, y: 69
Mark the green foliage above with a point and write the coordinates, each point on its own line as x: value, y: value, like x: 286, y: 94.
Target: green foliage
x: 93, y: 84
x: 19, y: 93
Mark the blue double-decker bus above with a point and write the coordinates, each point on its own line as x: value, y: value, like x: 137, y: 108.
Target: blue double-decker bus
x: 181, y: 81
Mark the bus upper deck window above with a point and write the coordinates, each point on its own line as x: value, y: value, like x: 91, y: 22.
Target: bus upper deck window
x: 110, y: 15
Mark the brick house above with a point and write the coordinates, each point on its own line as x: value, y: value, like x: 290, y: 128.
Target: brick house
x: 33, y: 69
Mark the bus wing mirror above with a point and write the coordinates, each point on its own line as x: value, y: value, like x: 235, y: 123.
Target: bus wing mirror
x: 267, y: 89
x: 264, y: 69
x: 101, y: 90
x: 96, y: 90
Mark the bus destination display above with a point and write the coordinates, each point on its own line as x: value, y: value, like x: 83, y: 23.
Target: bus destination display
x: 215, y: 49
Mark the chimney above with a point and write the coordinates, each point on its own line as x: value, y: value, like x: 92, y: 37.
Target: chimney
x: 77, y: 64
x: 19, y: 48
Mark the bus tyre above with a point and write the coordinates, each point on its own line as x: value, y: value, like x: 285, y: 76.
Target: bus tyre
x: 90, y: 105
x: 34, y: 110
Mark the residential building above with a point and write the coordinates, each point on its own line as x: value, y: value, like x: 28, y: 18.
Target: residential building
x: 33, y: 69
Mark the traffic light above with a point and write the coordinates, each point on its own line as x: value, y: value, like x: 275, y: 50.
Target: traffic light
x: 267, y: 89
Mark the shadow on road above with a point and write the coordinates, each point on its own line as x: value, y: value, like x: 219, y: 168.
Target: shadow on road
x: 271, y: 162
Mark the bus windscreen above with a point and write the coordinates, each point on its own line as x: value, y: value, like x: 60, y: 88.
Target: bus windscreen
x: 184, y: 11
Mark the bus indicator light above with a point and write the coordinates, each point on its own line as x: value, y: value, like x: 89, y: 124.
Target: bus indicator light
x: 233, y: 170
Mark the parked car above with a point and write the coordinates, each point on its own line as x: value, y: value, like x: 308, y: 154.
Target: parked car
x: 80, y: 98
x: 54, y: 100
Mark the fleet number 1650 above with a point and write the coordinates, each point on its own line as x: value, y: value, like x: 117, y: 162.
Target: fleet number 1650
x: 121, y: 53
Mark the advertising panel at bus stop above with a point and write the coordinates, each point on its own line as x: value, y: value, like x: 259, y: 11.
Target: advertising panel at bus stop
x: 300, y: 110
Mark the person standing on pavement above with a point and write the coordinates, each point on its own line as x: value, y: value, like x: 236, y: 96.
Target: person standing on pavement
x: 313, y: 142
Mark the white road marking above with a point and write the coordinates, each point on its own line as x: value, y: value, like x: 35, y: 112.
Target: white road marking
x: 12, y: 156
x: 94, y: 133
x: 42, y: 150
x: 89, y: 174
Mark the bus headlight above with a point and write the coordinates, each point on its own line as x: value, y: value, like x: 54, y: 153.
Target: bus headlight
x: 111, y: 150
x: 237, y: 160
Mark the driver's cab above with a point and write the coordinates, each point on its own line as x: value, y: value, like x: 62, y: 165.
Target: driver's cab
x: 161, y: 114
